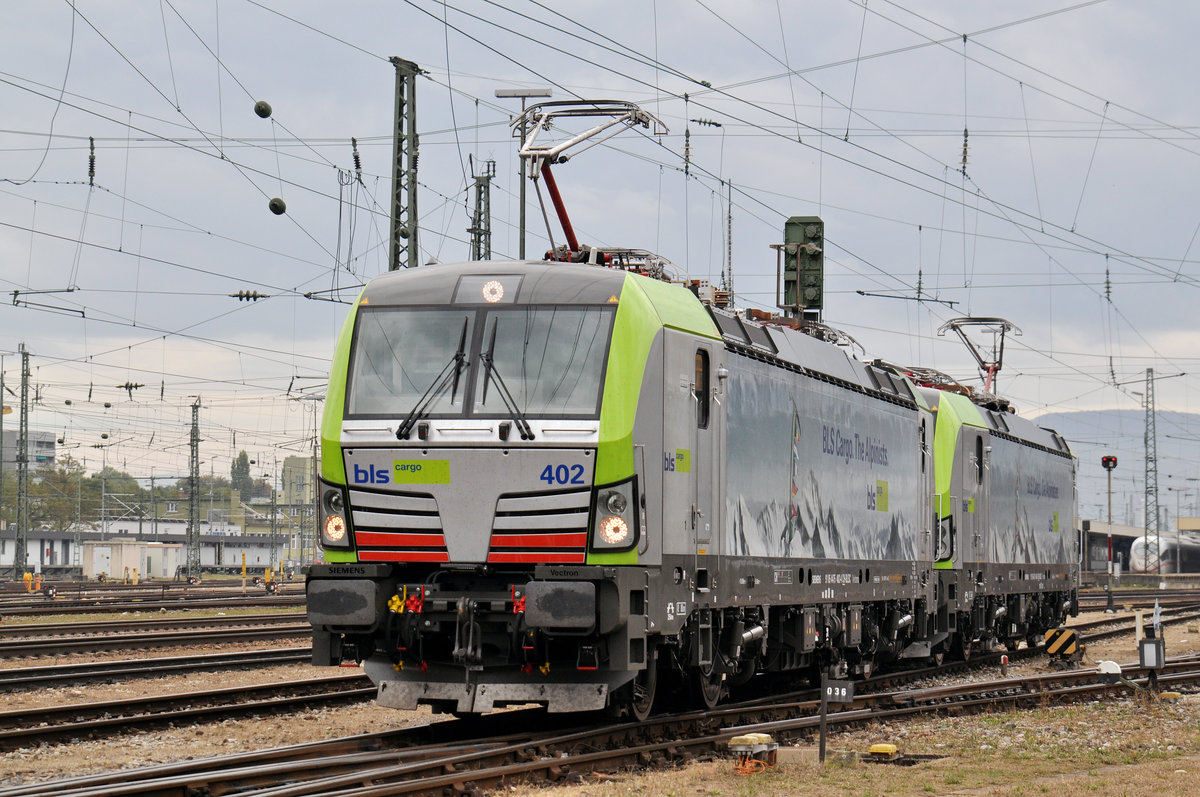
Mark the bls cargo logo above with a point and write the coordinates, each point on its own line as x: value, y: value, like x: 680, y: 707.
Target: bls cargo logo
x: 434, y: 471
x: 370, y: 475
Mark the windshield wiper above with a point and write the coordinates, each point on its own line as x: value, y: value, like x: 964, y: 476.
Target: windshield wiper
x: 490, y: 373
x: 447, y: 377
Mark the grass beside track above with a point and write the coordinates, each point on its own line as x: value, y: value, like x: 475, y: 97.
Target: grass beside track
x: 1127, y: 747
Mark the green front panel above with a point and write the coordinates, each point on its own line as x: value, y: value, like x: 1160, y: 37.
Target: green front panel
x: 953, y: 413
x: 332, y: 467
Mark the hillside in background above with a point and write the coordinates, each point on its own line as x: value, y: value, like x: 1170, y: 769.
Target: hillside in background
x: 1121, y: 433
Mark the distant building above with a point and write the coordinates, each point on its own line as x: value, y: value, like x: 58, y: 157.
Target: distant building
x: 297, y: 483
x: 41, y: 448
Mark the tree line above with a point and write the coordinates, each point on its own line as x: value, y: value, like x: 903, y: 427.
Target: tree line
x: 62, y: 494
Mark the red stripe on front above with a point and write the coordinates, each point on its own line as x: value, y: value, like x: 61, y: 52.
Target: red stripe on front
x: 537, y: 556
x: 398, y: 539
x: 565, y: 540
x: 403, y: 556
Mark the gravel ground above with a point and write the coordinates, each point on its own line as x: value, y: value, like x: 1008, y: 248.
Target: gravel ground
x: 1124, y: 747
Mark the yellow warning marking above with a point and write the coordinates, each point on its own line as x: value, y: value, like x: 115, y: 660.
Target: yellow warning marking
x: 612, y: 298
x: 1060, y: 642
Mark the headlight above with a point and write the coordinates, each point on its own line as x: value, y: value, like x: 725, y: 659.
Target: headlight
x: 615, y: 517
x: 614, y: 502
x: 614, y: 530
x: 335, y: 528
x: 332, y: 520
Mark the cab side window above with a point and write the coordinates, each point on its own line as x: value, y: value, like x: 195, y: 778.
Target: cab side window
x: 701, y: 389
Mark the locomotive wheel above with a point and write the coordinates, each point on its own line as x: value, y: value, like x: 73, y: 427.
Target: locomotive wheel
x: 706, y: 689
x: 636, y: 699
x: 644, y: 687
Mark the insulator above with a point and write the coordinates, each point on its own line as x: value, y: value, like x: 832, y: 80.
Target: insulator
x: 92, y: 161
x: 357, y: 159
x: 277, y: 206
x: 263, y: 109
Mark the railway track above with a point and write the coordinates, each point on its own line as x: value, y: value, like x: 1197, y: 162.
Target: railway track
x: 418, y: 761
x: 14, y: 588
x: 461, y: 755
x: 40, y: 606
x: 38, y: 630
x: 1109, y: 627
x: 89, y: 720
x: 36, y: 677
x: 61, y: 645
x: 1097, y: 600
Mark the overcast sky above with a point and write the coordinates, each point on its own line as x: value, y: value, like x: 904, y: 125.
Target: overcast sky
x: 1076, y: 218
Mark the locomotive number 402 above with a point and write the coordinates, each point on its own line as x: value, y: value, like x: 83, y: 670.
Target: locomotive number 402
x: 562, y: 474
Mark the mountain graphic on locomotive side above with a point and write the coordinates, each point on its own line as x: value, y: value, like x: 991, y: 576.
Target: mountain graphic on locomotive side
x: 575, y: 484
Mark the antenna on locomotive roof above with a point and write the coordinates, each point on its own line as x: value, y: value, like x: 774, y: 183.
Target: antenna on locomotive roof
x: 999, y: 327
x: 617, y: 116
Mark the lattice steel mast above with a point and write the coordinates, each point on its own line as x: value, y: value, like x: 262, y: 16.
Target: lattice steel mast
x: 404, y: 247
x: 481, y: 219
x: 22, y: 457
x: 1151, y: 442
x: 193, y: 527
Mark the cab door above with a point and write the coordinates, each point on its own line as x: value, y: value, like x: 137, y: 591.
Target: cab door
x: 691, y: 428
x: 974, y: 496
x: 704, y: 417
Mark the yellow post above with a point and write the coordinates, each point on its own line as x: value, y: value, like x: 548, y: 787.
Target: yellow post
x: 243, y: 572
x: 135, y: 576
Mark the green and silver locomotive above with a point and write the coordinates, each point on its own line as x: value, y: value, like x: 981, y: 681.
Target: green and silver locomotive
x: 576, y: 484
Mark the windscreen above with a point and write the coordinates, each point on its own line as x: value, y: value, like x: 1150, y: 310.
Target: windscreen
x: 550, y: 359
x: 401, y: 355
